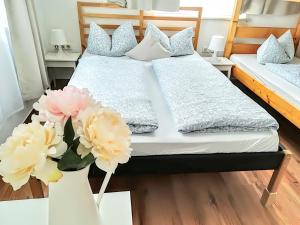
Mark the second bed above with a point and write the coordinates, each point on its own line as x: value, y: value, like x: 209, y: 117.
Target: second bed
x: 284, y: 88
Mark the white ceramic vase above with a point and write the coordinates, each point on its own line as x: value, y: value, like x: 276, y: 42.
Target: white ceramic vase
x: 71, y: 200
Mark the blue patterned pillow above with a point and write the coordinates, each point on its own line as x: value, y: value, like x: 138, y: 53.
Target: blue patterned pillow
x: 161, y: 36
x: 272, y: 52
x: 287, y: 42
x: 179, y: 44
x: 123, y: 40
x: 99, y: 41
x: 182, y: 42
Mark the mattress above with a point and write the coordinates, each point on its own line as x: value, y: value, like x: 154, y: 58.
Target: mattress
x: 280, y: 86
x: 166, y: 140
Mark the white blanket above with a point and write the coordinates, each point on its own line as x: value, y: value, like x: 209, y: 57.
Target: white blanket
x: 202, y: 99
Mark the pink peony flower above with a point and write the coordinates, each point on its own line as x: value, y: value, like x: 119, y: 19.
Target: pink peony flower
x: 59, y: 105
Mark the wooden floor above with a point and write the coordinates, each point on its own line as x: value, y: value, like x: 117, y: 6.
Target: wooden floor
x: 207, y: 198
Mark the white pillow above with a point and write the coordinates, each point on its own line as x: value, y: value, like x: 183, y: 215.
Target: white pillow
x: 148, y: 49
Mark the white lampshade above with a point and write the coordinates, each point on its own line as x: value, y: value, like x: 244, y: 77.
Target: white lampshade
x: 58, y: 37
x: 216, y: 43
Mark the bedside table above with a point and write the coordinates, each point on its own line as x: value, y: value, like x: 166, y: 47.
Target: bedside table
x: 222, y: 64
x: 68, y: 59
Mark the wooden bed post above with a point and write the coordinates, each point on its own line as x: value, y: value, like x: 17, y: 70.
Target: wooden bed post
x: 270, y: 193
x: 81, y: 25
x: 297, y: 34
x: 141, y: 25
x: 197, y: 29
x: 232, y: 27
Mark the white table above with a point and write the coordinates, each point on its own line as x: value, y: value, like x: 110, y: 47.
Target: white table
x: 221, y: 63
x: 115, y: 209
x: 67, y: 59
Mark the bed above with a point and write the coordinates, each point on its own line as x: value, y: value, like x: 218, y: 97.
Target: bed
x: 167, y: 140
x: 275, y: 91
x: 284, y: 88
x: 168, y: 151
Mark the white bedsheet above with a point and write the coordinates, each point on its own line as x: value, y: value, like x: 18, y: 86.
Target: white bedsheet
x: 282, y: 87
x: 166, y: 140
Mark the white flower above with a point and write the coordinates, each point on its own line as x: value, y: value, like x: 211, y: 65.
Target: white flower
x: 48, y: 172
x: 58, y: 146
x: 103, y: 133
x: 25, y: 154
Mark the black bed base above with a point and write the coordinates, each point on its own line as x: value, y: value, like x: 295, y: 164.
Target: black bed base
x: 195, y: 163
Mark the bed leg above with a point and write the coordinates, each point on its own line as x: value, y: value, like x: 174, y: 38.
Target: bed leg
x: 270, y: 193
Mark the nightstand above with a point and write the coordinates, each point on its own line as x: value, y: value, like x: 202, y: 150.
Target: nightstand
x: 221, y: 63
x: 68, y: 59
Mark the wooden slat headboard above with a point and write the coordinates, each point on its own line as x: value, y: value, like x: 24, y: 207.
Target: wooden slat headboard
x: 239, y: 31
x: 138, y: 17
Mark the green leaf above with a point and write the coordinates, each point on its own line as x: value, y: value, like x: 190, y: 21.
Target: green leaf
x: 69, y: 133
x: 87, y: 160
x: 75, y: 145
x: 71, y: 161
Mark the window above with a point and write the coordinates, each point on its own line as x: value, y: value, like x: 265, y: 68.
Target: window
x: 3, y: 20
x: 212, y: 8
x: 10, y: 96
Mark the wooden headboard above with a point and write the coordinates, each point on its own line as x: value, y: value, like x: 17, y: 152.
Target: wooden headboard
x: 242, y: 31
x: 87, y: 11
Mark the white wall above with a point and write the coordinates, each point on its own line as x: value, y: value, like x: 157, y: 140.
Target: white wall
x: 63, y: 14
x: 58, y: 14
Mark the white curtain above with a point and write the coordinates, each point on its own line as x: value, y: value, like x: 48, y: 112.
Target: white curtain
x: 26, y: 45
x: 10, y: 95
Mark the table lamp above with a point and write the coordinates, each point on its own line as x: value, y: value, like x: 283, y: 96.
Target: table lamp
x: 58, y: 38
x: 216, y: 44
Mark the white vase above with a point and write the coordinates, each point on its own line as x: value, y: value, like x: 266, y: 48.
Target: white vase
x: 71, y: 200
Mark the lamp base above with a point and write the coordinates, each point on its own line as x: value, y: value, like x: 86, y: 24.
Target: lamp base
x: 215, y: 54
x: 214, y: 58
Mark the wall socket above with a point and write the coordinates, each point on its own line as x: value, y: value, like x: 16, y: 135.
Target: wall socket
x: 66, y: 47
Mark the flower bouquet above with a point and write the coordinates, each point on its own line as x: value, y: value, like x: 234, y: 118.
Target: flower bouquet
x: 70, y: 132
